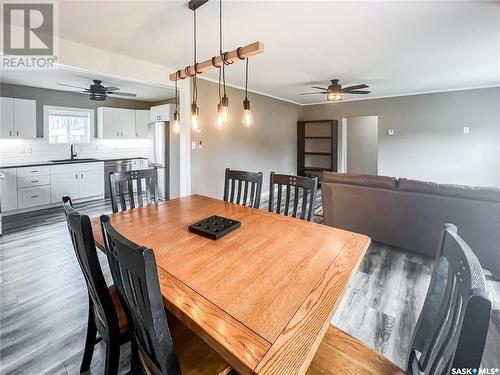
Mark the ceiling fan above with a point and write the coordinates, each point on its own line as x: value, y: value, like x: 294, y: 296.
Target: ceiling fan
x: 98, y: 92
x: 335, y: 92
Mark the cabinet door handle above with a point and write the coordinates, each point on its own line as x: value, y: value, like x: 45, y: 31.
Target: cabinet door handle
x: 136, y: 134
x: 34, y: 196
x: 10, y: 133
x: 34, y: 181
x: 17, y: 133
x: 34, y: 171
x: 81, y: 175
x: 76, y: 176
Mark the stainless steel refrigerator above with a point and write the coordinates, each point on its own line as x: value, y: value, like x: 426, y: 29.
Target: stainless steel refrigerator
x: 163, y: 153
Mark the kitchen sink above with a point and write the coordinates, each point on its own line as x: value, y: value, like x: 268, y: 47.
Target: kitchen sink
x: 75, y: 160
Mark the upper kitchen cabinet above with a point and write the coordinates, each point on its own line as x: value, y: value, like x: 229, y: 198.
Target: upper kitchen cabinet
x: 161, y: 112
x: 18, y: 118
x: 115, y: 123
x: 141, y: 123
x: 121, y: 123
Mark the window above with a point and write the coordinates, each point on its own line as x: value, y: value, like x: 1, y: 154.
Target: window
x: 68, y: 125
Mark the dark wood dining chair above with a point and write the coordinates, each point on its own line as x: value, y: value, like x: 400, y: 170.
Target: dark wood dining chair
x: 308, y: 187
x: 450, y: 332
x: 159, y: 346
x: 105, y: 314
x: 238, y: 182
x: 122, y: 188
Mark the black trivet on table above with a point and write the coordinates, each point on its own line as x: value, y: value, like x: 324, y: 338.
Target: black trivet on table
x: 214, y: 227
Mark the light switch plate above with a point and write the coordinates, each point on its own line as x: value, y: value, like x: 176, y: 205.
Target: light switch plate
x: 390, y: 131
x: 200, y: 144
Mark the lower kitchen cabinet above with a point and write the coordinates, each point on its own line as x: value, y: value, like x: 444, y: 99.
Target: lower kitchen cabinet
x: 80, y: 180
x: 64, y: 184
x: 33, y: 196
x: 8, y: 189
x: 91, y: 183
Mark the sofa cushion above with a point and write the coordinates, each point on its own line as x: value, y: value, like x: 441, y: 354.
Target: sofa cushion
x: 489, y: 194
x: 368, y: 180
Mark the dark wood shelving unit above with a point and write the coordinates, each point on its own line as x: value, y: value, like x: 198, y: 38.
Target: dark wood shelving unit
x: 316, y: 147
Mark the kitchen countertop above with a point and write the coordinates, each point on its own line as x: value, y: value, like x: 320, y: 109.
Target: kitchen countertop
x: 40, y: 163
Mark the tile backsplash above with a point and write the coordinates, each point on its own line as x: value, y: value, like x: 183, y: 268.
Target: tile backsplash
x: 25, y: 151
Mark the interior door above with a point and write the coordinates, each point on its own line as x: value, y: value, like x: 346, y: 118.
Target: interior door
x: 25, y: 118
x: 6, y: 117
x: 64, y: 184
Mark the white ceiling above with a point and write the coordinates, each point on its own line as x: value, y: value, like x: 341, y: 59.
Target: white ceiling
x: 49, y: 79
x: 398, y: 47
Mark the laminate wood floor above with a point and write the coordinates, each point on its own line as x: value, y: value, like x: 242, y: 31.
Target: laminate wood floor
x: 43, y: 300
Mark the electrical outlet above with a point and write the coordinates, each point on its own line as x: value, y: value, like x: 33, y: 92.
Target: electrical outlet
x: 29, y: 150
x: 390, y: 131
x: 466, y: 130
x: 193, y: 145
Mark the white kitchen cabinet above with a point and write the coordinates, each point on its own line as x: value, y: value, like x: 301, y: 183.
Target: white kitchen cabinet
x: 91, y: 183
x: 127, y: 123
x: 108, y: 123
x: 161, y: 112
x: 25, y: 118
x: 6, y: 118
x: 18, y: 118
x: 141, y: 123
x: 115, y: 123
x: 8, y: 189
x: 64, y: 184
x: 33, y: 196
x: 79, y: 180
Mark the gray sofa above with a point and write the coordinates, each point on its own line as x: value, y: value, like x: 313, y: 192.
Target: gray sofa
x: 410, y: 214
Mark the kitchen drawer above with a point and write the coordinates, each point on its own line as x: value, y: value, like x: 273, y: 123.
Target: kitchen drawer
x: 41, y: 170
x: 33, y: 196
x: 23, y: 182
x: 77, y: 167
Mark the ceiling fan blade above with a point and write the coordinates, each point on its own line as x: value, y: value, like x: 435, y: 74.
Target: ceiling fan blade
x: 112, y: 88
x: 73, y: 86
x: 355, y: 87
x: 357, y: 92
x: 321, y: 88
x: 129, y: 94
x: 312, y: 93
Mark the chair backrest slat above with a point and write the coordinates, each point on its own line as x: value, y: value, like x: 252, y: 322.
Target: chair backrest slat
x: 452, y: 327
x: 82, y: 238
x: 122, y: 188
x: 242, y: 179
x: 134, y: 272
x: 305, y: 184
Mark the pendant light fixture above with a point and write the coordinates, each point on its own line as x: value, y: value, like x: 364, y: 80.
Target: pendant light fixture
x: 177, y: 116
x: 195, y: 111
x: 247, y: 113
x: 223, y: 106
x: 219, y: 122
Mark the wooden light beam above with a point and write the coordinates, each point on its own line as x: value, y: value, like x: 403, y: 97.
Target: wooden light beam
x: 250, y: 50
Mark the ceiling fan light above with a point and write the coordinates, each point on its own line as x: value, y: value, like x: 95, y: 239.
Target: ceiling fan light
x: 97, y: 96
x: 334, y: 96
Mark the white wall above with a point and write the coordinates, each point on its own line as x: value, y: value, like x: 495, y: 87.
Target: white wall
x: 429, y: 143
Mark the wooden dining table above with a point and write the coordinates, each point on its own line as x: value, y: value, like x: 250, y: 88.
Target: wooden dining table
x: 263, y: 295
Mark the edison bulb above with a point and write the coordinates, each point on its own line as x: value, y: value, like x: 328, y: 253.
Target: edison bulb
x: 247, y: 118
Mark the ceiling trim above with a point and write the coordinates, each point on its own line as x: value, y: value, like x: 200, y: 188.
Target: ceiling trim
x: 250, y: 90
x: 409, y: 94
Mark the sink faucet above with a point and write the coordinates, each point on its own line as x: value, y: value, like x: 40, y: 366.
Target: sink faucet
x: 73, y: 154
